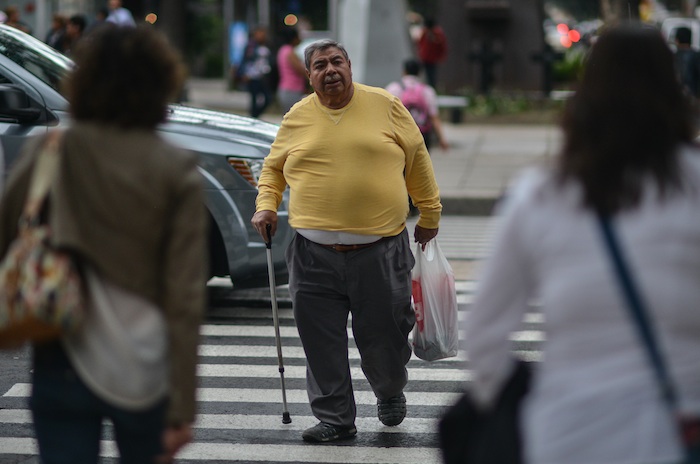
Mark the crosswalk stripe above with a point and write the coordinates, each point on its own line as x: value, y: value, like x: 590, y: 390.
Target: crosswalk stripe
x: 21, y: 446
x: 266, y: 422
x: 299, y: 372
x: 288, y: 352
x: 265, y: 452
x: 301, y: 453
x: 262, y: 395
x: 257, y: 395
x: 286, y: 315
x: 464, y: 288
x: 297, y: 352
x: 299, y: 423
x: 15, y: 416
x: 291, y: 332
x: 208, y: 330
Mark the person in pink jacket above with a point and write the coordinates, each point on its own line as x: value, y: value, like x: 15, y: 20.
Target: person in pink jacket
x: 292, y: 73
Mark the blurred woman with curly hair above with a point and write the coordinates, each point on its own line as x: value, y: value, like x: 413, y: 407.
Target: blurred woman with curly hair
x: 129, y: 206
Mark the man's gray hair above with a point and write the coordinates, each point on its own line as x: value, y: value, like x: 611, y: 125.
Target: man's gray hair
x: 321, y: 45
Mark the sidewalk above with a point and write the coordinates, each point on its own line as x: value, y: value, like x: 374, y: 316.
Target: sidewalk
x: 472, y: 174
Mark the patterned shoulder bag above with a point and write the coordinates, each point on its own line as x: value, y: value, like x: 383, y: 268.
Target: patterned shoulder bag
x: 41, y: 290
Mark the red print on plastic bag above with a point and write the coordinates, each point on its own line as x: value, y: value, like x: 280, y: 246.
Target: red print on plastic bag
x: 418, y: 304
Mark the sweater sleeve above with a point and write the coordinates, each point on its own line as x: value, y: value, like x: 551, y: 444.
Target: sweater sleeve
x: 420, y: 178
x: 272, y: 183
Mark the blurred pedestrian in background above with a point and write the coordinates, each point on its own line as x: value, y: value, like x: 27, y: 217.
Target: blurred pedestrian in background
x: 687, y: 61
x: 254, y: 71
x: 421, y: 101
x: 351, y: 253
x: 75, y: 28
x: 55, y: 36
x: 628, y: 154
x: 100, y: 19
x: 646, y: 10
x: 13, y: 18
x: 119, y: 15
x: 130, y: 208
x: 432, y: 50
x: 292, y: 74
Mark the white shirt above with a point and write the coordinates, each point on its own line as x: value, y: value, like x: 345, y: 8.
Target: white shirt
x: 121, y: 17
x: 594, y: 398
x: 121, y: 352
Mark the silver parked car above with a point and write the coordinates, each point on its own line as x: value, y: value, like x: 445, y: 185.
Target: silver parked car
x: 230, y: 149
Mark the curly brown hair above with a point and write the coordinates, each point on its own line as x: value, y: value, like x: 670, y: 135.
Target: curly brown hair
x: 125, y: 77
x: 626, y: 120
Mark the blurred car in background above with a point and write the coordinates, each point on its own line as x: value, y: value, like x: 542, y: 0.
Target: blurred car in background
x: 230, y: 149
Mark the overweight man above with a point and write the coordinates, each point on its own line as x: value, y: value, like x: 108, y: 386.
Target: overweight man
x: 350, y: 155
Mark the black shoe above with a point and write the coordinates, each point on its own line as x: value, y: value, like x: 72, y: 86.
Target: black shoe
x: 392, y: 411
x: 323, y: 432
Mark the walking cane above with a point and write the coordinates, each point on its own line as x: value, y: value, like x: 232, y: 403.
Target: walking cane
x: 286, y: 419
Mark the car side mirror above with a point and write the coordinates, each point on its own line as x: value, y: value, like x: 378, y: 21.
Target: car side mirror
x: 15, y: 105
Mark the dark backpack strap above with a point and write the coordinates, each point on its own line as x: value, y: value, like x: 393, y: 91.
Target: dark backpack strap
x: 637, y: 310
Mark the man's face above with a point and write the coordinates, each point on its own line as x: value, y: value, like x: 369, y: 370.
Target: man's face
x: 114, y: 4
x: 72, y: 30
x: 260, y: 36
x: 330, y: 73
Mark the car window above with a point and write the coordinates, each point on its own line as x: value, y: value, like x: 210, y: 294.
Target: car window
x: 41, y: 61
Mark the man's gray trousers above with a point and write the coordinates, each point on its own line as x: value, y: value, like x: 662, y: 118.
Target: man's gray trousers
x: 374, y: 284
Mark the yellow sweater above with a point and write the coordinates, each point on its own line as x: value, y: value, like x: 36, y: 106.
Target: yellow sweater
x: 345, y: 168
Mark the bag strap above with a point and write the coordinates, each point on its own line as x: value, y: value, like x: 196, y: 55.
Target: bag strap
x: 638, y: 311
x: 402, y: 84
x: 43, y: 176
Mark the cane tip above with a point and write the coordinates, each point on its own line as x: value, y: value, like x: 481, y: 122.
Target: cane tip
x: 286, y: 419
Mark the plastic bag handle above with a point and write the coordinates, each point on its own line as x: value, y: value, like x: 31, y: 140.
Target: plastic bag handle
x: 429, y: 250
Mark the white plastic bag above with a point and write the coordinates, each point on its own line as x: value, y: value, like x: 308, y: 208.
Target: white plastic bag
x: 436, y: 333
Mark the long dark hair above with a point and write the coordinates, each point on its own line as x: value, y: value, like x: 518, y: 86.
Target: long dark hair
x: 626, y: 120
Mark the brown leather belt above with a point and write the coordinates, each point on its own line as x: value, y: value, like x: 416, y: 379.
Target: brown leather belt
x: 345, y: 248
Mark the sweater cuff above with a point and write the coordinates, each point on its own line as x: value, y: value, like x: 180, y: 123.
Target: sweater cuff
x: 429, y: 219
x: 265, y: 204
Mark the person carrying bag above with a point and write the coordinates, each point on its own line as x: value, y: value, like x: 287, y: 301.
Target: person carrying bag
x: 41, y: 290
x: 594, y: 396
x: 130, y: 207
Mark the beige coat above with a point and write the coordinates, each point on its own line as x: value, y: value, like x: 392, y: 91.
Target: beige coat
x: 132, y: 206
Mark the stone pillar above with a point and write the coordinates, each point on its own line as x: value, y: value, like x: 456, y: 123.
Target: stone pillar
x: 375, y: 33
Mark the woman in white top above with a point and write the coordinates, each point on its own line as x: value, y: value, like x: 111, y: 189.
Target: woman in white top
x: 627, y: 153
